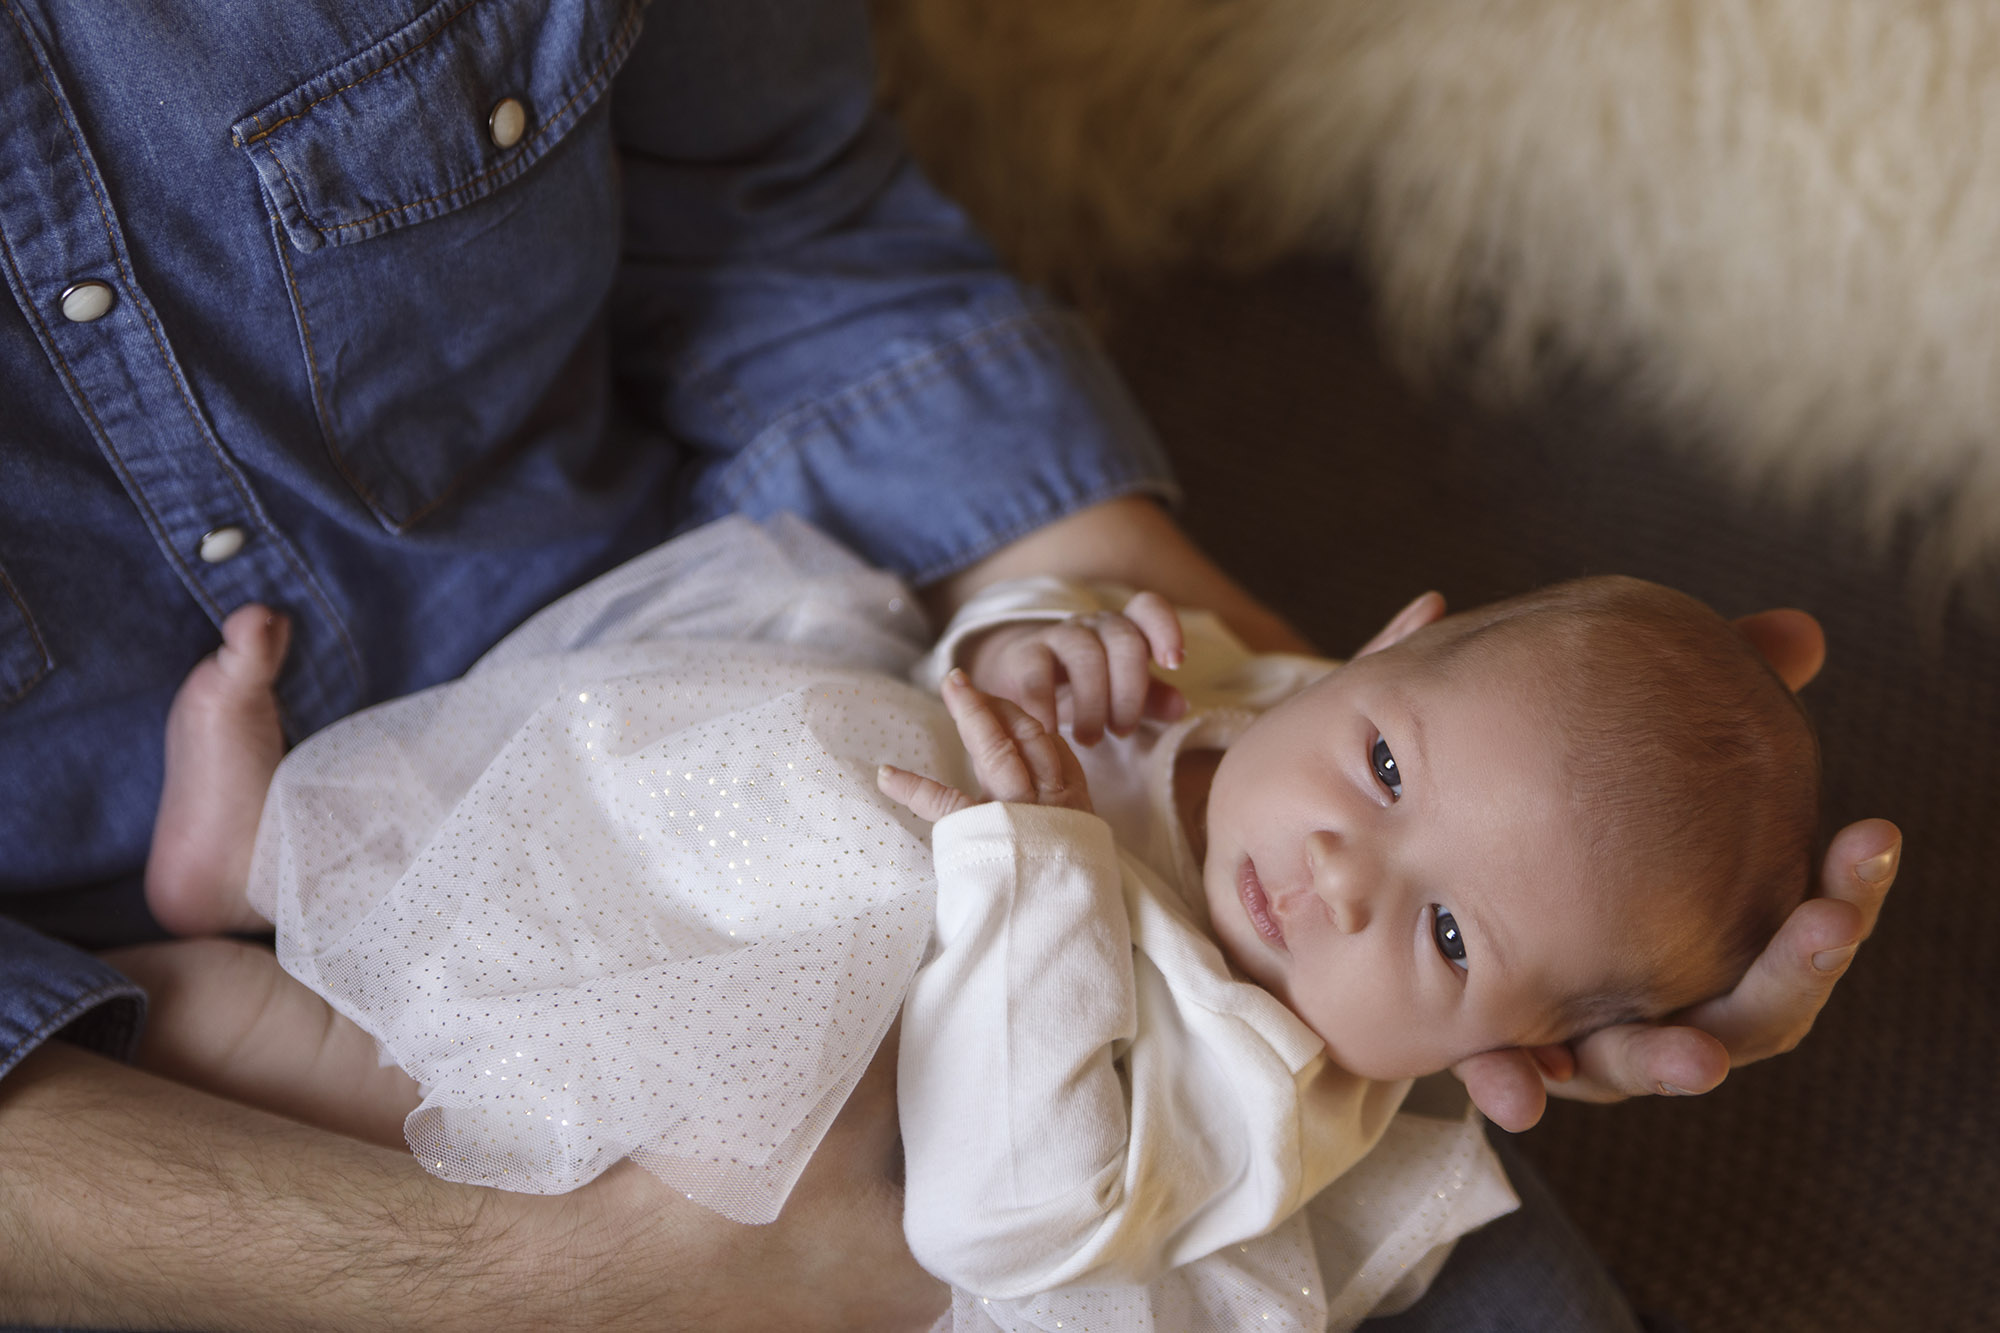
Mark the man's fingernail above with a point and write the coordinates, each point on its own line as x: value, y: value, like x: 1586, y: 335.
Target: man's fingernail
x: 1669, y: 1090
x: 1879, y: 866
x: 1830, y: 960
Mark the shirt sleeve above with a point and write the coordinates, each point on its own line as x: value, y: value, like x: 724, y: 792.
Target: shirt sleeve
x: 823, y: 331
x: 51, y: 990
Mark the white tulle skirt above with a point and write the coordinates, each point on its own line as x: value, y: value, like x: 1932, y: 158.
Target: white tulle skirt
x: 627, y: 888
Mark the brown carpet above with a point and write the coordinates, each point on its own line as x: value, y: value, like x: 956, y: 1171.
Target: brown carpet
x: 1854, y: 1185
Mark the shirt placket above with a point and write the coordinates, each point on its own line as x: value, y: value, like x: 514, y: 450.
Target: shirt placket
x: 65, y: 259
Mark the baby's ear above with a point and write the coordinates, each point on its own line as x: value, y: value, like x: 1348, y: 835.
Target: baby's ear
x: 1789, y: 639
x: 1428, y: 609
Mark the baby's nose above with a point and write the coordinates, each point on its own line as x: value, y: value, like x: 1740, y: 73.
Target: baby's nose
x: 1341, y: 879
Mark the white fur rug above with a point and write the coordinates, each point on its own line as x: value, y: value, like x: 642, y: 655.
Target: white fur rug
x: 1781, y: 216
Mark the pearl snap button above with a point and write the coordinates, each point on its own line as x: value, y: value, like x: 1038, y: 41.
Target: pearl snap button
x: 85, y: 301
x: 222, y: 543
x: 508, y: 123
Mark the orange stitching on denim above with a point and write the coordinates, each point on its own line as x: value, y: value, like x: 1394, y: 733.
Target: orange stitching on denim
x: 312, y: 360
x: 28, y: 619
x: 298, y: 195
x: 320, y: 408
x: 596, y: 77
x: 264, y: 130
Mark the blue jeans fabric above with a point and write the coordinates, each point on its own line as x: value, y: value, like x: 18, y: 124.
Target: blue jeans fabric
x: 47, y: 990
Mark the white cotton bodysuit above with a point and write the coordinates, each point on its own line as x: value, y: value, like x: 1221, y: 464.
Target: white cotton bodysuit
x: 627, y: 890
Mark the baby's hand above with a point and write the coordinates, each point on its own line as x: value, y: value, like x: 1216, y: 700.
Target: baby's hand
x: 1014, y: 757
x: 1091, y: 670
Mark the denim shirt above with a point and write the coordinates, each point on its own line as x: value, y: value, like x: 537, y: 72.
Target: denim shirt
x: 405, y: 318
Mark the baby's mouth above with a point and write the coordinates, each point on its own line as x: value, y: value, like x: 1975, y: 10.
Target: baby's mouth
x: 1256, y: 905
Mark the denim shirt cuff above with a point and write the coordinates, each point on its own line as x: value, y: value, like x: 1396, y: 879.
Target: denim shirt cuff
x: 968, y: 443
x: 1040, y: 392
x: 51, y: 990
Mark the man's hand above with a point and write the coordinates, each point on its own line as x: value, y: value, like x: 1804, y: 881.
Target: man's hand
x: 1093, y: 671
x: 1770, y: 1009
x: 1014, y: 757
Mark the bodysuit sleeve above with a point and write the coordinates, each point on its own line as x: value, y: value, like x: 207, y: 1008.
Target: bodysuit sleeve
x: 1013, y: 1113
x: 1067, y: 1118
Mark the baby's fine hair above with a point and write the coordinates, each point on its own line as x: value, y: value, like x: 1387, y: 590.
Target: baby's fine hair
x: 1695, y: 772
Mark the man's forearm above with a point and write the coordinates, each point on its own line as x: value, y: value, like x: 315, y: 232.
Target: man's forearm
x: 130, y: 1201
x: 126, y: 1200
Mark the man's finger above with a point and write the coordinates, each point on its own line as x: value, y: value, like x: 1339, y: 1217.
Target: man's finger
x: 1505, y: 1086
x: 1773, y: 1006
x: 926, y: 798
x: 1638, y: 1059
x: 1860, y: 866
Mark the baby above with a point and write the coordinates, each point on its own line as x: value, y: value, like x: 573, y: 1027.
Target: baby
x: 1504, y: 828
x: 1587, y: 805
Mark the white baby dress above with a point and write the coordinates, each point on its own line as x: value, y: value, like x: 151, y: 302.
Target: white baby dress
x: 627, y: 889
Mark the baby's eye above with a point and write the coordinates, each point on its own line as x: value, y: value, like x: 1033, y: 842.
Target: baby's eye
x: 1449, y: 942
x: 1386, y: 771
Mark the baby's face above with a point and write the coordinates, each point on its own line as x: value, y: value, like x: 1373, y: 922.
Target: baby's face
x: 1393, y: 854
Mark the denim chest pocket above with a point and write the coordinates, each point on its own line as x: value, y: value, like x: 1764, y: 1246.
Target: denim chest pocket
x: 445, y: 210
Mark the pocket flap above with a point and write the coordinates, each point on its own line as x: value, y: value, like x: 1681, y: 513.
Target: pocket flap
x: 403, y: 131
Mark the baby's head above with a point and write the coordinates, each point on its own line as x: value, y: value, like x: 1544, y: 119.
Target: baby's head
x: 1590, y: 804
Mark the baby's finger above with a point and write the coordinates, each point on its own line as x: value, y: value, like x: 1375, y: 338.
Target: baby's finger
x: 1030, y: 680
x: 1157, y: 619
x: 1081, y: 652
x: 996, y: 759
x: 926, y: 798
x: 1053, y: 766
x: 1128, y: 659
x: 1165, y: 703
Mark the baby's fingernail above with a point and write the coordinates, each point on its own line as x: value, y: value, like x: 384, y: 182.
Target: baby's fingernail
x: 1832, y: 960
x: 1879, y: 866
x: 957, y: 676
x: 1669, y: 1090
x: 1174, y: 660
